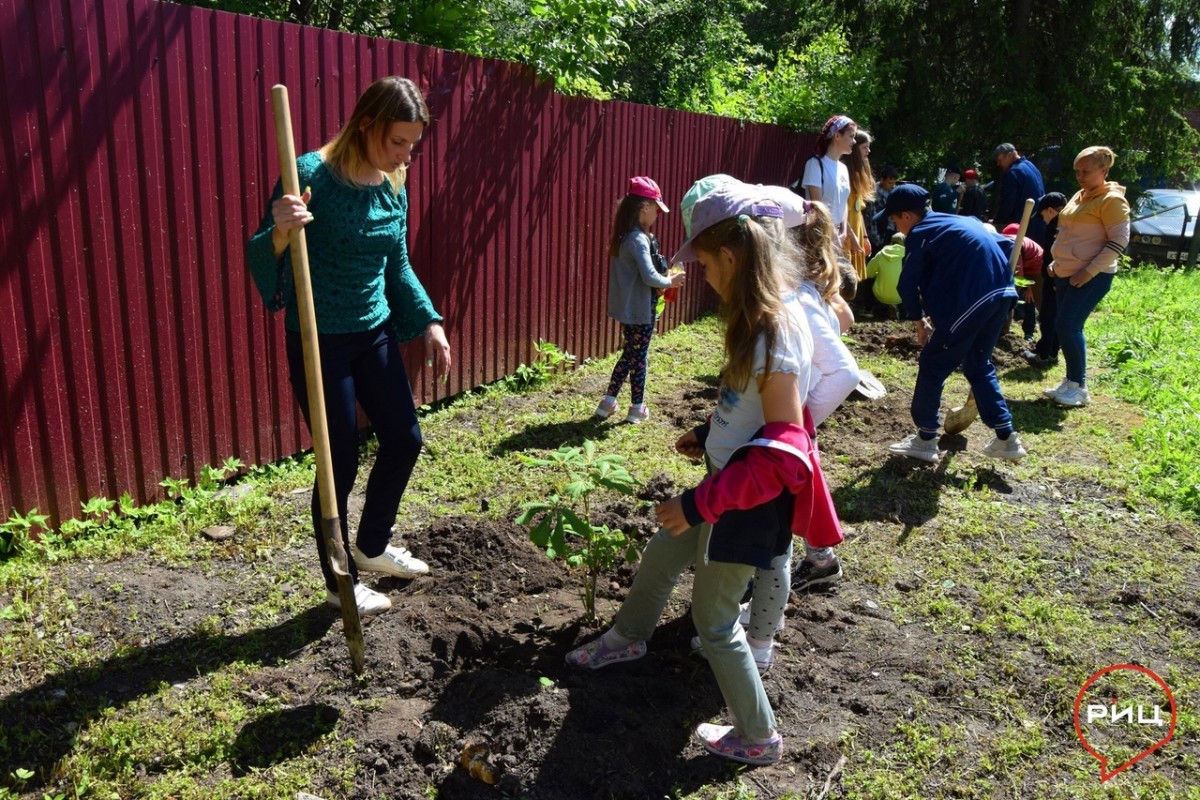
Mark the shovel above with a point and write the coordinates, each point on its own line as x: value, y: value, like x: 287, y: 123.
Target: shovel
x: 869, y: 386
x: 331, y: 523
x: 960, y: 418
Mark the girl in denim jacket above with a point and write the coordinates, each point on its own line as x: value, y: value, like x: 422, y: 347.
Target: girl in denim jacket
x: 633, y: 278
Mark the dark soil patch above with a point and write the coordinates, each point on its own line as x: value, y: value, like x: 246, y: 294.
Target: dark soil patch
x: 462, y: 659
x: 473, y: 655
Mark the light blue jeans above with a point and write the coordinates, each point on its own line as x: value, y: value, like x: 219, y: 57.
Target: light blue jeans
x: 1075, y: 304
x: 716, y: 593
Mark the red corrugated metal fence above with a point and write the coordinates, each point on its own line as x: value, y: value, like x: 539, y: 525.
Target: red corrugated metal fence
x: 136, y: 161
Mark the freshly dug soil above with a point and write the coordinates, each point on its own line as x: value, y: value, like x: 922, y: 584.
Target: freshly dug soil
x: 473, y: 656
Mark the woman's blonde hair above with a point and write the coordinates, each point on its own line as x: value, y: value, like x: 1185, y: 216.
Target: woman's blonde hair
x: 387, y: 100
x: 1101, y: 156
x: 816, y: 238
x: 862, y: 181
x: 764, y: 262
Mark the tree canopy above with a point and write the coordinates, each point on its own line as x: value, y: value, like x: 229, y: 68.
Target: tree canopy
x: 935, y: 82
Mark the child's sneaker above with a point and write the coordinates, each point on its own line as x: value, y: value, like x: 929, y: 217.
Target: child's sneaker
x: 720, y: 740
x: 607, y: 407
x: 393, y: 560
x: 811, y: 574
x: 596, y: 654
x: 367, y: 599
x: 638, y: 413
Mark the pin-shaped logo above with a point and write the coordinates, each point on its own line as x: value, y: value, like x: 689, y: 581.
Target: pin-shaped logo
x: 1112, y: 721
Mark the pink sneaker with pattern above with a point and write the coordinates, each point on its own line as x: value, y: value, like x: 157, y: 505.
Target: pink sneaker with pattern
x: 720, y: 740
x: 596, y: 654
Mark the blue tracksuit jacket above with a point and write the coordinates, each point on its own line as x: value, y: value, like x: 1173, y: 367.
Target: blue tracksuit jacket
x: 953, y: 267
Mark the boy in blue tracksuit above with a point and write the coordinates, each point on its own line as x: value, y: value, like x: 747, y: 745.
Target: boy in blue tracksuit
x: 958, y: 289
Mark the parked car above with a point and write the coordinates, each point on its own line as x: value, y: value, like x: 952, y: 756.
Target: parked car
x: 1161, y: 231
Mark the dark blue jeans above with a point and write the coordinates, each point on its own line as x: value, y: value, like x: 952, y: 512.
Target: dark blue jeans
x: 1075, y: 304
x: 1047, y: 346
x: 362, y: 369
x: 971, y: 347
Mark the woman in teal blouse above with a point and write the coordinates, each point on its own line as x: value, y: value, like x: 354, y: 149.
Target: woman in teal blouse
x: 368, y: 300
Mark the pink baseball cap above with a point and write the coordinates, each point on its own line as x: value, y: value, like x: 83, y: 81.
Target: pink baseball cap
x: 646, y: 187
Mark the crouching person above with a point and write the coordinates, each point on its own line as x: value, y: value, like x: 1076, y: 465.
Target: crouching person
x: 957, y: 288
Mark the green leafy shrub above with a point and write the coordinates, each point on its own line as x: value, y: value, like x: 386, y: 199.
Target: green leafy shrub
x: 561, y: 525
x: 548, y: 361
x: 17, y: 532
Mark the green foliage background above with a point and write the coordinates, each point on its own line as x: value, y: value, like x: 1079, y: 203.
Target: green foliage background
x: 935, y: 82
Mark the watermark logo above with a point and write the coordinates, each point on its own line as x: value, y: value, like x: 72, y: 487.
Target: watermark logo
x: 1112, y: 721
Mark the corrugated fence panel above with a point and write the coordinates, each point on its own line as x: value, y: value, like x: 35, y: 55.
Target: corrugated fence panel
x: 138, y: 158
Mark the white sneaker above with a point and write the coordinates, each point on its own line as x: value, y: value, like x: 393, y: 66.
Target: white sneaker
x: 1010, y: 448
x: 367, y: 599
x: 1052, y: 393
x: 764, y: 657
x: 637, y: 413
x: 392, y: 561
x: 607, y: 407
x: 1072, y: 395
x: 914, y: 446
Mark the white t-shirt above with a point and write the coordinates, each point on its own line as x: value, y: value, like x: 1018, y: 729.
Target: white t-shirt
x: 834, y: 370
x: 739, y: 414
x: 832, y: 178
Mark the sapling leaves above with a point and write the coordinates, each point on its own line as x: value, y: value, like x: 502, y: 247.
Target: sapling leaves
x: 561, y: 525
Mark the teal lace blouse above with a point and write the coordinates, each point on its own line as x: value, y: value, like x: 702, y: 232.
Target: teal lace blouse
x: 357, y: 256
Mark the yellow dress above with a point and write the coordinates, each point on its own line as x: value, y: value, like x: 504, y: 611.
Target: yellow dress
x: 854, y: 218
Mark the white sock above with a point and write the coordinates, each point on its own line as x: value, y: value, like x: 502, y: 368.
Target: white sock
x: 613, y: 640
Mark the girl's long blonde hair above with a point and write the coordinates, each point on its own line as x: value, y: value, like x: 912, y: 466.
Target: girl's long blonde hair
x: 862, y: 181
x: 764, y: 264
x: 816, y: 238
x: 387, y: 100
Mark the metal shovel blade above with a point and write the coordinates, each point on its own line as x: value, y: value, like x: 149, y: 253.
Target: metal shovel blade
x: 869, y: 386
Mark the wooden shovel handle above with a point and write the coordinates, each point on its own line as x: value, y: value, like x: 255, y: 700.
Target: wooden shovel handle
x: 1026, y: 213
x: 331, y: 526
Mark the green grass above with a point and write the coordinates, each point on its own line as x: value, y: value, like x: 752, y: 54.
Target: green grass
x: 1014, y: 568
x: 1147, y: 330
x: 1110, y: 503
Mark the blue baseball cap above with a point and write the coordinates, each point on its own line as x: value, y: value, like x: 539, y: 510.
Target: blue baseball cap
x: 905, y: 197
